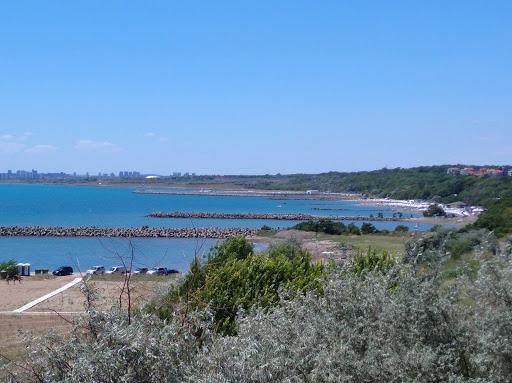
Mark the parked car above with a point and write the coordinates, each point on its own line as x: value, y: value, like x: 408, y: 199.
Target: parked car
x: 96, y: 270
x: 157, y: 271
x: 162, y: 271
x: 141, y: 270
x: 63, y: 270
x: 117, y: 270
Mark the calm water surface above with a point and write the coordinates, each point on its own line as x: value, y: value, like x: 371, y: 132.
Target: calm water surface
x: 64, y: 205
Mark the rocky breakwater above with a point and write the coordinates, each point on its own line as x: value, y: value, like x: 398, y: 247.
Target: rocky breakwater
x: 289, y: 217
x: 144, y: 232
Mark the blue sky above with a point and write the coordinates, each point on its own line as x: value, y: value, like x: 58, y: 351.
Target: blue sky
x: 245, y: 87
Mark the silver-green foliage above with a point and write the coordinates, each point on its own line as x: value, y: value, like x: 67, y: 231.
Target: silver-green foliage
x: 381, y: 328
x: 392, y: 326
x: 105, y: 348
x: 362, y: 330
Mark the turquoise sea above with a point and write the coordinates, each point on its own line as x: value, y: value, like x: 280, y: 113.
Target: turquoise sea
x: 63, y: 205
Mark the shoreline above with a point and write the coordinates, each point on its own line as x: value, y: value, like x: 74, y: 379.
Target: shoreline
x: 205, y: 189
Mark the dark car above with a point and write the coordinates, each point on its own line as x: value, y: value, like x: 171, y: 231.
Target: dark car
x: 157, y: 271
x: 63, y: 270
x: 141, y: 270
x: 162, y: 271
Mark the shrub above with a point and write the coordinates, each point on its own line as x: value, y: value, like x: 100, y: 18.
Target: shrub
x: 234, y: 278
x: 497, y: 218
x: 368, y: 228
x: 377, y: 325
x: 457, y: 247
x: 371, y: 260
x: 401, y: 229
x: 322, y: 226
x: 353, y: 229
x: 363, y: 331
x: 447, y: 246
x: 10, y: 267
x: 434, y: 210
x: 329, y: 227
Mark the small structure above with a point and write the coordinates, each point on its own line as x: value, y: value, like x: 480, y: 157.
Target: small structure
x: 24, y: 269
x: 453, y: 171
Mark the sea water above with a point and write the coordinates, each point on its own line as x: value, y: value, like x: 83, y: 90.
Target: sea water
x: 102, y: 206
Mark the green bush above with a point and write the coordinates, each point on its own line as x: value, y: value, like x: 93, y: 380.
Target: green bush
x: 368, y: 228
x: 401, y: 229
x: 372, y: 260
x: 235, y: 278
x: 434, y: 210
x: 497, y: 218
x: 353, y: 229
x: 376, y: 321
x: 322, y: 226
x: 10, y: 267
x: 457, y: 247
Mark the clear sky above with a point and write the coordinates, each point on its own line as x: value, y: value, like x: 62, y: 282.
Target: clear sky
x: 245, y: 87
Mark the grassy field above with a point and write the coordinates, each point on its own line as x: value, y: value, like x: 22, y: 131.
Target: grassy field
x: 392, y: 243
x: 325, y: 246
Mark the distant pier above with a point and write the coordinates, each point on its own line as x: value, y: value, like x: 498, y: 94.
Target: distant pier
x: 278, y: 195
x: 285, y: 217
x: 145, y: 232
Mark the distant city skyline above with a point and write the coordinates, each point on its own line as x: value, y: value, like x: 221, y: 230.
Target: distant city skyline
x: 462, y: 169
x: 253, y: 88
x: 34, y: 174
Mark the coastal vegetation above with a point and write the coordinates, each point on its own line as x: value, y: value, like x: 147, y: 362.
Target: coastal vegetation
x: 497, y: 218
x: 424, y: 316
x: 327, y: 226
x: 9, y: 267
x: 235, y: 278
x: 434, y: 210
x: 425, y: 182
x: 431, y: 183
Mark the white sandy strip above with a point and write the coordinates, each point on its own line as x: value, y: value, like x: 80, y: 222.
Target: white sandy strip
x: 49, y: 295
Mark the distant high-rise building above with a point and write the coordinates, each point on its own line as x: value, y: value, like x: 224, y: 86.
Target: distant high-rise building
x: 127, y: 174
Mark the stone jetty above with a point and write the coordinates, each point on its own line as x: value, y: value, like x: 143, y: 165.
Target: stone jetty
x: 288, y: 217
x: 276, y: 195
x: 329, y: 209
x: 144, y: 232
